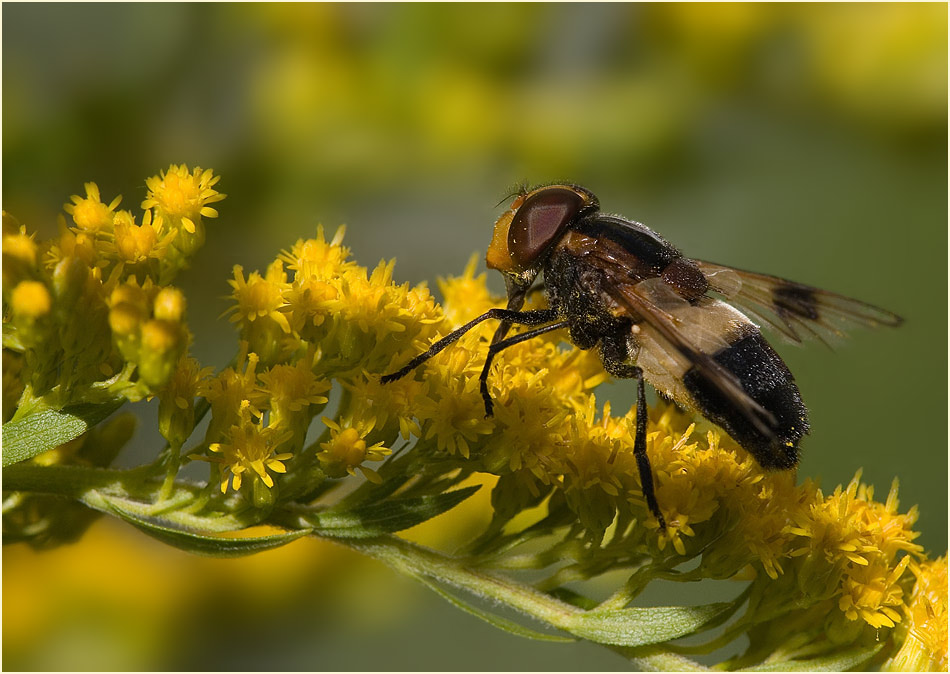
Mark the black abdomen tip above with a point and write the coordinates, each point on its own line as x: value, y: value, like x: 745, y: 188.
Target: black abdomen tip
x: 767, y: 380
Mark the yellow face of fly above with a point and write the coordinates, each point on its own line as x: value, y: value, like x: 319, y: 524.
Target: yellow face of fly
x: 499, y: 251
x: 499, y: 257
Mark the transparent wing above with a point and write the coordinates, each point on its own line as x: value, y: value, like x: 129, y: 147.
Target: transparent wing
x: 794, y: 310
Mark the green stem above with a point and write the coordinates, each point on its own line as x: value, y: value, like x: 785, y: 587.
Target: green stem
x: 414, y: 560
x: 171, y: 470
x: 71, y: 481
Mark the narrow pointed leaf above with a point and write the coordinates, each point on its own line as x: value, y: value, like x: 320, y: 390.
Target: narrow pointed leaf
x: 203, y: 544
x: 389, y: 516
x: 37, y: 433
x: 838, y: 662
x: 642, y: 626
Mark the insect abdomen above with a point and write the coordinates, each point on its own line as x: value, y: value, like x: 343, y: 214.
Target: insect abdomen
x: 767, y: 380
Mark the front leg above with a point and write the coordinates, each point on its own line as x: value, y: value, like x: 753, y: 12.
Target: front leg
x: 536, y: 317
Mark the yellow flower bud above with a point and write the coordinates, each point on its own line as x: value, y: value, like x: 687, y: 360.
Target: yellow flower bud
x: 170, y: 305
x: 69, y: 279
x: 129, y: 294
x: 20, y: 247
x: 159, y: 336
x: 125, y: 319
x: 31, y: 300
x: 162, y: 345
x: 128, y: 310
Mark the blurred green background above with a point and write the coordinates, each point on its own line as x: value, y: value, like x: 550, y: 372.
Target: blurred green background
x: 806, y: 141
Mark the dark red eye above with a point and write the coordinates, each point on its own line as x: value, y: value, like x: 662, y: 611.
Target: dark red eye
x: 539, y: 221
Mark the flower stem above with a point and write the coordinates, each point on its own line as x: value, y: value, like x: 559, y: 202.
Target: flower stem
x: 71, y: 481
x: 416, y: 560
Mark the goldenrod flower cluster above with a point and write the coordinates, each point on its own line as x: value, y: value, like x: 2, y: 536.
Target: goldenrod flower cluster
x: 316, y: 333
x: 314, y: 317
x: 91, y: 313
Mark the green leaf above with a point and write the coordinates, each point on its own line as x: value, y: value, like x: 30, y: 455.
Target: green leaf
x: 837, y: 662
x: 642, y: 626
x: 37, y: 433
x: 376, y: 519
x: 498, y: 621
x: 202, y: 544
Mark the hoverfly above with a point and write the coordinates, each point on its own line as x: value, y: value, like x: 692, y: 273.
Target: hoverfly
x: 684, y: 325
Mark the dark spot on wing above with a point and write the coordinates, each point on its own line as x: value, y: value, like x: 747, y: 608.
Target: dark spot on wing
x: 795, y: 299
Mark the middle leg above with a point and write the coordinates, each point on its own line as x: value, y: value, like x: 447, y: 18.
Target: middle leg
x: 616, y: 359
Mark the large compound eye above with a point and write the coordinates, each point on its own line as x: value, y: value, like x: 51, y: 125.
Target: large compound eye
x: 539, y: 221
